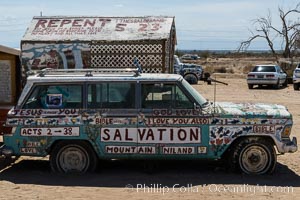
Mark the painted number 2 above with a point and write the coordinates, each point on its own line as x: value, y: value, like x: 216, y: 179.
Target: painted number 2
x: 153, y: 27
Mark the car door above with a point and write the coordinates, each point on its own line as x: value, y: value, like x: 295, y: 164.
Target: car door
x: 113, y: 116
x: 169, y: 125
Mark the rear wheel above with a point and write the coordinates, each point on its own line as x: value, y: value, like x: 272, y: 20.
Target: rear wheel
x: 277, y: 85
x: 73, y: 157
x: 250, y: 86
x: 285, y: 84
x: 296, y: 86
x: 254, y: 156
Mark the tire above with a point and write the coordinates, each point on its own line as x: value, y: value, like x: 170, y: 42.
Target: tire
x: 250, y: 86
x: 296, y: 86
x: 277, y: 85
x: 73, y: 157
x: 254, y: 156
x: 285, y: 84
x: 192, y: 79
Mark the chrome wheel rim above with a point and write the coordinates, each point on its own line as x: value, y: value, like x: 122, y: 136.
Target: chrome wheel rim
x: 254, y: 159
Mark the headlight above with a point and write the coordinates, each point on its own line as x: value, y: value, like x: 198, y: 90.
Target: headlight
x: 286, y: 132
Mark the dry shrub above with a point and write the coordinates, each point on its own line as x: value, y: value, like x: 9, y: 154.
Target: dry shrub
x: 220, y: 70
x: 209, y: 69
x: 247, y: 69
x: 230, y: 70
x: 212, y: 69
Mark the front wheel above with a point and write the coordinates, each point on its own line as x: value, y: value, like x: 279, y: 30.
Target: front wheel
x: 73, y: 157
x: 255, y: 156
x: 191, y: 79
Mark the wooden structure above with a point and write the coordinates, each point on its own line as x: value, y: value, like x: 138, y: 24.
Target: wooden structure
x: 10, y: 80
x: 99, y: 42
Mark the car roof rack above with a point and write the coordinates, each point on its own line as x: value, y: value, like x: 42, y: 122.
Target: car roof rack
x: 88, y: 72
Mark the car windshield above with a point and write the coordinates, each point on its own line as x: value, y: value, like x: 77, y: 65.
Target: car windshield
x: 264, y: 69
x: 197, y: 96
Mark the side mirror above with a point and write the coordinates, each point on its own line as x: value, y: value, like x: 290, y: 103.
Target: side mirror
x: 197, y: 107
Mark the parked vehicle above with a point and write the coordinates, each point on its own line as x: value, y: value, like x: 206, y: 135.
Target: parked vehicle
x: 80, y: 116
x: 296, y: 77
x: 190, y: 57
x: 190, y: 72
x: 267, y: 75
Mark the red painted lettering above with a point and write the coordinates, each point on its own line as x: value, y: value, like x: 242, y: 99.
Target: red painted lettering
x: 41, y: 23
x: 120, y: 27
x: 65, y: 22
x: 104, y: 21
x: 52, y: 23
x: 143, y: 27
x: 88, y: 22
x: 76, y: 23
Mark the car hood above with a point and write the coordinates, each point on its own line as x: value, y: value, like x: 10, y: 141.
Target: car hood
x: 253, y: 110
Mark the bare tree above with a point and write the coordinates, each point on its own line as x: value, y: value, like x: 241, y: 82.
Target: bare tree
x: 288, y: 32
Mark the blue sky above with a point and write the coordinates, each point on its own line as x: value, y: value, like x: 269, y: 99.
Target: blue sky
x: 200, y: 24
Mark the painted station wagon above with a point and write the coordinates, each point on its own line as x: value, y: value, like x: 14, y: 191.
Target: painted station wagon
x: 80, y: 117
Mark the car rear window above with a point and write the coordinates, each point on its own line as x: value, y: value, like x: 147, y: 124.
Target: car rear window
x: 264, y: 69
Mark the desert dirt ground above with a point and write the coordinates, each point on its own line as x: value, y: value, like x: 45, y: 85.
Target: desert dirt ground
x: 31, y: 178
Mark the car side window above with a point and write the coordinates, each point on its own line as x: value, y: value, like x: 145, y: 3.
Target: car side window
x: 158, y: 96
x: 54, y: 97
x: 111, y: 95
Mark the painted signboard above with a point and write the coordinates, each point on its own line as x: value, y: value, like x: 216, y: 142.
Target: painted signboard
x: 72, y: 42
x: 50, y: 131
x: 164, y: 135
x: 98, y: 28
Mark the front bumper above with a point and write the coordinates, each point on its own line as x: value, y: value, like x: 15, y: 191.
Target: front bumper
x: 296, y: 79
x: 288, y: 146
